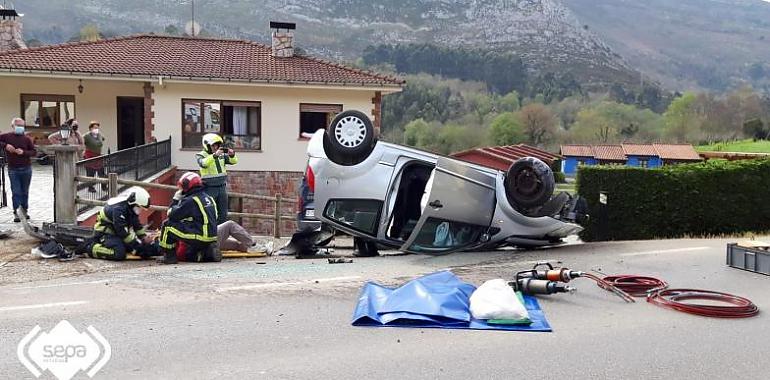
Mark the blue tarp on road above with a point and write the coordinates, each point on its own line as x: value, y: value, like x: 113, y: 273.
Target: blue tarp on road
x: 438, y: 300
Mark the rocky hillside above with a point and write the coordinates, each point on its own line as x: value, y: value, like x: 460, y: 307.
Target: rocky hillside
x: 707, y: 44
x: 545, y: 33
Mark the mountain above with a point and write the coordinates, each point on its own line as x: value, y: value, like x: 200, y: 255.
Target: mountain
x: 545, y: 33
x: 684, y: 44
x: 708, y: 44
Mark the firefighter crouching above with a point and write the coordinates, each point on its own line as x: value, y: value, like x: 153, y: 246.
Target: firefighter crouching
x: 191, y: 223
x: 118, y: 229
x: 213, y: 160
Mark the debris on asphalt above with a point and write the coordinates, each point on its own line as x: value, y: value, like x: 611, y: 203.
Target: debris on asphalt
x: 340, y: 260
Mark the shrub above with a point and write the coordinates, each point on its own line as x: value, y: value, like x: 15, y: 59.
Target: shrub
x: 559, y: 177
x: 706, y: 199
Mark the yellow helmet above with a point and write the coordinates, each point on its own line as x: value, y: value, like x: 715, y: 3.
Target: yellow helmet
x: 210, y: 139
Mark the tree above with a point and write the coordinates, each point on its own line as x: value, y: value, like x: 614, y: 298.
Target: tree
x: 506, y: 129
x: 509, y: 103
x: 538, y: 122
x: 682, y: 123
x: 612, y: 122
x: 480, y: 104
x: 172, y: 30
x: 90, y: 33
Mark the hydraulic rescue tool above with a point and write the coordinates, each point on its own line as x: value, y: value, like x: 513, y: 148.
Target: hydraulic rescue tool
x: 548, y: 281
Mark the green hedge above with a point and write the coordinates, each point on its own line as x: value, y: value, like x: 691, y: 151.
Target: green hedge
x: 559, y: 177
x: 706, y: 199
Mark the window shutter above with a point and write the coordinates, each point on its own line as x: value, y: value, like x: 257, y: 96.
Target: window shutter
x: 322, y: 108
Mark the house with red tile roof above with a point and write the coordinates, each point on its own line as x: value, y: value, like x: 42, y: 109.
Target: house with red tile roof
x: 639, y: 155
x: 264, y: 100
x: 501, y: 157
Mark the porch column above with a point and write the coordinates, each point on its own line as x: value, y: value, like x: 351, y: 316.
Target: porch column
x: 149, y: 115
x: 377, y: 112
x: 64, y: 197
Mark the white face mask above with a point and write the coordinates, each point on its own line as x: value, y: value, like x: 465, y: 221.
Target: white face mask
x: 137, y: 210
x: 95, y: 131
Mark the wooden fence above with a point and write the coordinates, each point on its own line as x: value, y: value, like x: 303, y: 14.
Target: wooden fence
x: 114, y: 183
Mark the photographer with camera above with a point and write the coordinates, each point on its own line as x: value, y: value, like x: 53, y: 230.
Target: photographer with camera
x: 213, y: 160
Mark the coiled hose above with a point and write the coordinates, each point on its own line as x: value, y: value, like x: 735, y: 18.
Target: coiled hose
x: 679, y: 299
x: 672, y: 299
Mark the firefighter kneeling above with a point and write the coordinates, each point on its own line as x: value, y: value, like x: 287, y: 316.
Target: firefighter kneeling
x: 118, y: 229
x: 190, y: 232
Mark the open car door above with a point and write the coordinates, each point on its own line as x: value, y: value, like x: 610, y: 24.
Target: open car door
x: 457, y: 209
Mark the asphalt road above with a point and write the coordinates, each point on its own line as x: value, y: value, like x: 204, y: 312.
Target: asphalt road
x: 280, y: 318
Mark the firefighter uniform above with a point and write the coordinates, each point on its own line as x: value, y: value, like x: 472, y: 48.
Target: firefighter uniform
x: 213, y: 170
x: 193, y: 221
x: 117, y: 231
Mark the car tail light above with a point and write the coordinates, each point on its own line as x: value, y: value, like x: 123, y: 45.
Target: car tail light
x: 310, y: 179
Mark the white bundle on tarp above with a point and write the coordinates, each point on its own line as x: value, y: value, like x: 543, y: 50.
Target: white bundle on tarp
x: 495, y: 299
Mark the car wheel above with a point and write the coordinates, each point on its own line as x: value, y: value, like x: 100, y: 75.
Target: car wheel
x: 529, y: 183
x: 350, y: 138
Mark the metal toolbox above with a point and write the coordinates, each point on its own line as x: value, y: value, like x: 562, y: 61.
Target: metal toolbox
x: 747, y: 258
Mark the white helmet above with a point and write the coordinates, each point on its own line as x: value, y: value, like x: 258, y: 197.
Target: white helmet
x: 210, y: 139
x: 138, y: 196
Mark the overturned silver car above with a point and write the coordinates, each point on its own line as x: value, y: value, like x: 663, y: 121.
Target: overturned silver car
x: 422, y: 202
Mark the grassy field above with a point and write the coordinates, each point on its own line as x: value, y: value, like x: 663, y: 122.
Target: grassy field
x: 745, y: 146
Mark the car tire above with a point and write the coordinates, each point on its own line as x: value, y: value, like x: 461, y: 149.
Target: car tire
x: 350, y: 138
x: 529, y: 183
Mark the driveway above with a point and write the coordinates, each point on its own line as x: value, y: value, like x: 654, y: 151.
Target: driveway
x: 40, y: 198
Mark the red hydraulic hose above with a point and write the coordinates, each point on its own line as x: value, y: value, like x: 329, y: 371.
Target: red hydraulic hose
x: 680, y: 299
x: 637, y: 286
x: 673, y: 299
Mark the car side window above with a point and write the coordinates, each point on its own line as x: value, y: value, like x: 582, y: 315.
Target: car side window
x: 359, y: 214
x: 442, y: 235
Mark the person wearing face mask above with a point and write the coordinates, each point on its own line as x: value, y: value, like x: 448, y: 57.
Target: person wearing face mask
x: 75, y: 138
x: 118, y: 229
x: 19, y: 149
x: 94, y: 141
x: 191, y: 224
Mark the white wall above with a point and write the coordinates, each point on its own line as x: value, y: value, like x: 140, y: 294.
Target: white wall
x: 97, y: 102
x: 282, y: 150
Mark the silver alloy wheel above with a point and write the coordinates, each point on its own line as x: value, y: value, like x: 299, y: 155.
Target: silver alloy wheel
x: 350, y: 132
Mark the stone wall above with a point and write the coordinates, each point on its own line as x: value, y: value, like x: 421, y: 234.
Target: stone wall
x: 263, y: 183
x: 10, y: 35
x: 283, y: 44
x: 270, y: 184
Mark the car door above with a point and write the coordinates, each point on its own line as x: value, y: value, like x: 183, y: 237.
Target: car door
x: 457, y: 209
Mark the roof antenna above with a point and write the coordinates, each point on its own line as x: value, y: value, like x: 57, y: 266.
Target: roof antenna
x: 192, y: 28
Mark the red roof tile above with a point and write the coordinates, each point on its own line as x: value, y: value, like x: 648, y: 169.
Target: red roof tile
x: 639, y: 149
x: 577, y: 150
x: 187, y: 58
x: 504, y: 156
x: 677, y: 152
x: 609, y: 152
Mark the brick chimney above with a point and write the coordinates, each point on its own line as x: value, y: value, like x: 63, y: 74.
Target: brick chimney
x: 10, y: 30
x: 283, y: 39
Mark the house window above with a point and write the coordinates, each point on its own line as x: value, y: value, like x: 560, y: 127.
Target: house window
x: 313, y: 117
x: 644, y: 163
x: 47, y: 111
x: 239, y: 123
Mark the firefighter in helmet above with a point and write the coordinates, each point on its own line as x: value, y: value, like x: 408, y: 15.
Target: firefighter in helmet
x: 191, y: 224
x: 118, y: 229
x: 213, y: 160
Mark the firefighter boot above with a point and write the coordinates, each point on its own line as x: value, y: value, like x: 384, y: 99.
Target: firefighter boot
x: 169, y: 256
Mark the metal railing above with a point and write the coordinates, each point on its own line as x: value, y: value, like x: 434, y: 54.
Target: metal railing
x: 137, y: 163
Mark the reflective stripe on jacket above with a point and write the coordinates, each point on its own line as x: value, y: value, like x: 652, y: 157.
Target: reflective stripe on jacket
x: 214, y: 170
x: 120, y: 220
x: 194, y: 217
